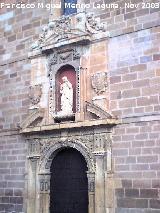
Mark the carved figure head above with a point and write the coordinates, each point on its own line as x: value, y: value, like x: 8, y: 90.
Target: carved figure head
x: 65, y: 79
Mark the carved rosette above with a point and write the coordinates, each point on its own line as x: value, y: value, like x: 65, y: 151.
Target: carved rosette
x: 102, y: 142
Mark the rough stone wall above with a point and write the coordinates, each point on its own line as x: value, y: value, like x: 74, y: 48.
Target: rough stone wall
x: 134, y: 54
x: 136, y: 157
x: 12, y: 172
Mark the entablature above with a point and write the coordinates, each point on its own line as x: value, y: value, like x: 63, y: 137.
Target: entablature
x: 70, y: 125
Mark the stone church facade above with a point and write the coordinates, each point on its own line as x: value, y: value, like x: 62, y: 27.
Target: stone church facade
x: 108, y: 61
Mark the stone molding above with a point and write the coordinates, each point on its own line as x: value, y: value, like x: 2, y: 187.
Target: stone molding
x: 56, y: 60
x: 61, y: 57
x: 69, y: 125
x: 88, y: 145
x: 92, y: 143
x: 35, y: 115
x: 98, y: 111
x: 69, y: 29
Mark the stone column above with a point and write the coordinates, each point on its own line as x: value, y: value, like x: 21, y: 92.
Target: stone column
x: 31, y: 201
x: 44, y: 193
x: 91, y: 191
x: 100, y: 183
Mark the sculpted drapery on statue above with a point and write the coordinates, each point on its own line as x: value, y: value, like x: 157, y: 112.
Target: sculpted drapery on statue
x: 66, y: 91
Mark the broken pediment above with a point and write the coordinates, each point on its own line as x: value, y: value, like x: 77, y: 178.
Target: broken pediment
x: 33, y: 119
x: 97, y: 111
x: 78, y: 28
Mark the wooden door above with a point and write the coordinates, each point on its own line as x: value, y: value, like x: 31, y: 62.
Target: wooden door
x: 69, y: 184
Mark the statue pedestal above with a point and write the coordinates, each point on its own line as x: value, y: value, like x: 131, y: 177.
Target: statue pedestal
x: 64, y: 116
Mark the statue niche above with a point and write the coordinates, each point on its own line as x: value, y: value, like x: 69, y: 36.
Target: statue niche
x: 66, y: 92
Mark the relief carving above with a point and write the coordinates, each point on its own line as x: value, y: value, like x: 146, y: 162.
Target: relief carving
x: 50, y: 146
x: 52, y: 60
x: 44, y: 186
x: 99, y: 82
x: 102, y: 141
x: 88, y: 145
x: 93, y: 25
x: 65, y: 57
x: 91, y: 186
x: 61, y: 26
x: 76, y: 54
x: 35, y: 93
x: 34, y: 147
x: 66, y: 28
x: 99, y: 142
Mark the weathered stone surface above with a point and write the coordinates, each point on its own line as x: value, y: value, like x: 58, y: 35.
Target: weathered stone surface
x: 131, y: 59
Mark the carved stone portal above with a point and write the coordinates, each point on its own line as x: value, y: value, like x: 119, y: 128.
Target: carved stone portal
x: 94, y: 146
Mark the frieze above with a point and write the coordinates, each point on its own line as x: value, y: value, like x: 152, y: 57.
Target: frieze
x: 48, y: 154
x: 91, y: 146
x: 92, y: 142
x: 94, y: 25
x: 62, y: 56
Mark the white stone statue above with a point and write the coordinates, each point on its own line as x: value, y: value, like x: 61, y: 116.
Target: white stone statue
x: 66, y: 91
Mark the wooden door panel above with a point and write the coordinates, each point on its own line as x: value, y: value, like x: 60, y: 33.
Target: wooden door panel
x: 69, y: 185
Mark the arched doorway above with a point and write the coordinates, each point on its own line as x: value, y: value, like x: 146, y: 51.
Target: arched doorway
x: 68, y: 184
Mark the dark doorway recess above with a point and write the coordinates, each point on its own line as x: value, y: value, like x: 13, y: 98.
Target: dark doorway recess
x: 69, y: 185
